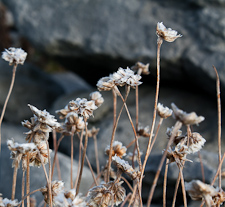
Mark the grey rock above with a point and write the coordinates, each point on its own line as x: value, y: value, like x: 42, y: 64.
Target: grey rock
x: 123, y: 32
x: 37, y: 176
x: 32, y: 86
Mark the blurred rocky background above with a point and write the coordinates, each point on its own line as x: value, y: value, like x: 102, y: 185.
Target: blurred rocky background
x: 73, y: 43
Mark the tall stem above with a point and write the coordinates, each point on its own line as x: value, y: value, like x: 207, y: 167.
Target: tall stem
x: 23, y: 186
x: 164, y: 183
x: 175, y: 129
x: 14, y: 181
x: 96, y: 154
x: 137, y: 107
x: 183, y: 186
x: 114, y: 106
x: 83, y: 156
x: 71, y: 160
x: 6, y: 100
x: 57, y: 160
x: 28, y: 181
x: 49, y: 176
x: 159, y: 43
x: 219, y: 121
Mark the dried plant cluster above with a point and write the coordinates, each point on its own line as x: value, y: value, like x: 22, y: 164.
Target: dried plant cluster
x: 109, y: 184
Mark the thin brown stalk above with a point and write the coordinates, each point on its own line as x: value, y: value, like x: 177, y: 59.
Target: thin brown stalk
x: 71, y: 162
x: 83, y: 157
x: 23, y: 187
x: 49, y: 178
x: 131, y: 143
x: 96, y: 154
x: 28, y: 181
x: 79, y: 161
x: 7, y: 99
x: 114, y: 106
x: 137, y: 107
x: 218, y: 169
x: 165, y: 182
x: 55, y: 155
x: 113, y: 135
x: 202, y: 167
x: 219, y: 122
x: 159, y: 43
x: 39, y: 189
x: 125, y: 200
x: 175, y: 191
x: 133, y: 195
x: 128, y: 184
x: 135, y: 134
x: 57, y: 160
x: 183, y: 186
x: 175, y: 129
x: 14, y: 181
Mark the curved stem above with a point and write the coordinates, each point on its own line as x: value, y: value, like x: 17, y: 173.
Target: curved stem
x: 160, y: 41
x: 39, y: 189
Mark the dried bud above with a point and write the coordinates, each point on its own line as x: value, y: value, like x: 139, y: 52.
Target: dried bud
x: 118, y: 149
x: 143, y: 131
x: 93, y: 132
x: 185, y: 118
x: 141, y: 68
x: 163, y: 112
x: 14, y: 56
x: 97, y: 98
x: 199, y: 191
x: 168, y: 35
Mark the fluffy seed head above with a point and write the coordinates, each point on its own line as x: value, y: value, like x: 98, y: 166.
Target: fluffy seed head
x: 163, y: 112
x: 97, y: 98
x: 105, y: 83
x: 14, y: 55
x: 118, y: 149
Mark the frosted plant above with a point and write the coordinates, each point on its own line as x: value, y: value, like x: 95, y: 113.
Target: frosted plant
x: 196, y: 142
x: 126, y: 76
x: 143, y: 131
x: 14, y: 56
x: 97, y: 98
x: 8, y: 203
x: 105, y: 83
x: 166, y: 34
x: 186, y: 118
x: 163, y: 112
x: 117, y: 149
x: 198, y: 190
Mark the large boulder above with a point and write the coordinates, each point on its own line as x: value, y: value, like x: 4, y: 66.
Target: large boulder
x: 107, y: 34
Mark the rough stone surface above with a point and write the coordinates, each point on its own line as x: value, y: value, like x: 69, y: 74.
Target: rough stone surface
x: 32, y: 86
x: 123, y: 32
x: 37, y: 176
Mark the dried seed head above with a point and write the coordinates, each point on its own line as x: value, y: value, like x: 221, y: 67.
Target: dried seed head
x: 99, y: 196
x: 199, y: 191
x: 93, y: 132
x: 166, y: 34
x: 74, y: 123
x: 118, y: 149
x: 8, y: 203
x: 71, y: 200
x: 124, y: 167
x: 163, y: 112
x: 14, y: 55
x: 143, y: 131
x: 57, y: 188
x: 126, y: 76
x: 105, y: 83
x: 178, y: 138
x: 97, y: 98
x: 141, y: 68
x: 196, y: 142
x: 185, y: 118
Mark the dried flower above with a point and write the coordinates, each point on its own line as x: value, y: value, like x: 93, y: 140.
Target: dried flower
x: 143, y: 131
x: 105, y: 84
x: 178, y: 155
x: 141, y: 68
x: 74, y: 122
x: 124, y: 167
x: 14, y: 56
x: 199, y: 190
x: 163, y: 112
x: 185, y: 118
x: 73, y: 200
x: 97, y: 98
x: 178, y: 138
x: 196, y: 142
x: 93, y: 132
x: 8, y: 203
x: 126, y: 76
x: 168, y: 35
x: 57, y: 188
x: 117, y: 149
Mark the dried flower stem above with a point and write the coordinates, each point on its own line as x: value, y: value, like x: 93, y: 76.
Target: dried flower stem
x: 39, y: 189
x: 164, y: 182
x: 175, y: 190
x: 55, y: 155
x: 183, y: 187
x: 28, y: 180
x: 159, y: 43
x: 132, y: 125
x: 202, y: 167
x: 49, y: 174
x: 83, y: 157
x: 7, y: 99
x: 128, y: 184
x: 57, y: 160
x: 125, y: 200
x: 23, y: 187
x: 71, y: 162
x: 175, y: 129
x: 113, y: 135
x: 133, y: 195
x: 219, y: 121
x: 114, y: 106
x: 96, y: 154
x: 46, y: 175
x: 14, y: 181
x: 137, y: 107
x: 218, y: 169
